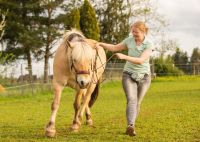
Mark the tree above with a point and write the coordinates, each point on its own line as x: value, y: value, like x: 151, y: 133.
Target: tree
x: 71, y: 16
x: 88, y: 22
x: 72, y: 19
x: 180, y: 59
x: 49, y: 31
x: 4, y: 58
x: 2, y: 23
x: 165, y: 67
x: 166, y: 45
x: 21, y: 31
x: 195, y: 60
x: 113, y: 19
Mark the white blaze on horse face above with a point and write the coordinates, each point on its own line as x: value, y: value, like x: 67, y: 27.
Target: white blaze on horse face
x: 82, y: 56
x: 83, y: 73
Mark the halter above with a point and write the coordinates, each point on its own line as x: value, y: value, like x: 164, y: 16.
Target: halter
x: 87, y: 72
x: 79, y: 71
x: 93, y: 66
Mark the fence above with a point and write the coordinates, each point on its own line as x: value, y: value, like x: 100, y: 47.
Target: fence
x: 22, y: 84
x: 113, y: 70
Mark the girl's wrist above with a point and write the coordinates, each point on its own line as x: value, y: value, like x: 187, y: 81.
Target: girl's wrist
x: 100, y: 44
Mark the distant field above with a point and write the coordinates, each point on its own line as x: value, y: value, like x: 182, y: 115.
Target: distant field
x: 170, y: 112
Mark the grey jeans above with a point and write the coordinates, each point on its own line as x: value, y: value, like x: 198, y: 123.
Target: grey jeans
x: 135, y: 92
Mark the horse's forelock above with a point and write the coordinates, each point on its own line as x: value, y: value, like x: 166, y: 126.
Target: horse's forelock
x: 82, y: 52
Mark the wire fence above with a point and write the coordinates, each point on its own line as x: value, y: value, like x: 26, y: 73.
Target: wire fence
x: 22, y: 84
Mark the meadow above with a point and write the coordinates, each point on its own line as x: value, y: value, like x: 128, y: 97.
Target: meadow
x: 170, y: 112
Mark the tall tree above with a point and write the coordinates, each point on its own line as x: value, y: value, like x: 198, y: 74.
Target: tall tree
x: 72, y: 19
x: 180, y: 59
x: 115, y: 17
x: 7, y: 57
x: 114, y: 20
x: 88, y: 21
x: 50, y: 33
x: 195, y: 60
x: 71, y: 15
x: 21, y: 32
x: 2, y: 23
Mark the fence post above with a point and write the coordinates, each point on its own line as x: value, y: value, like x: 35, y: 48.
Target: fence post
x: 193, y: 69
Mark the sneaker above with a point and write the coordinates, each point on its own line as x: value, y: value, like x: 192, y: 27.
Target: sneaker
x: 130, y: 130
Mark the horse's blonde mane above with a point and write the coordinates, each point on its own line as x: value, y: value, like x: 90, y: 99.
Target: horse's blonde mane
x: 82, y: 52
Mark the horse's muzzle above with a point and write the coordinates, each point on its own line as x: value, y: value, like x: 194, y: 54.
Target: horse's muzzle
x: 83, y: 87
x: 83, y: 81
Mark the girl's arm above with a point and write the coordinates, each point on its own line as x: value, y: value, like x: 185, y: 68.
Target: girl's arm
x: 112, y: 47
x: 136, y: 60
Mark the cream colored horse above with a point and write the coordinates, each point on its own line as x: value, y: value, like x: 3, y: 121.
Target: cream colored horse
x: 79, y: 65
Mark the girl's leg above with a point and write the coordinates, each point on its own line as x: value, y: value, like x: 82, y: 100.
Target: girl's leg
x: 143, y: 86
x: 130, y: 89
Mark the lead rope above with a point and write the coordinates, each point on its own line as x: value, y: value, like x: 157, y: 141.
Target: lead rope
x: 102, y: 65
x: 112, y: 68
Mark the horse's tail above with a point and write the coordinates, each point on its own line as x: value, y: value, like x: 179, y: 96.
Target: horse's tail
x: 94, y: 95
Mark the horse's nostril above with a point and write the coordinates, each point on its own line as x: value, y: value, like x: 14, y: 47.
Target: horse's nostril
x: 82, y: 83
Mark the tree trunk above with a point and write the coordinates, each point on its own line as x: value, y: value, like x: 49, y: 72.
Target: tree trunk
x: 28, y: 53
x: 46, y: 65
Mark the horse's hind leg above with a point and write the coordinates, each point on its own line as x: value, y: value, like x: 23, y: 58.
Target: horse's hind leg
x: 77, y: 104
x: 50, y: 128
x: 88, y: 116
x: 86, y: 100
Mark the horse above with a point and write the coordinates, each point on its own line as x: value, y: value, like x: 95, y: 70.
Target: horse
x: 77, y: 64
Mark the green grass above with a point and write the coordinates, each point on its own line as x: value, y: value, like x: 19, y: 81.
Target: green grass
x: 170, y: 112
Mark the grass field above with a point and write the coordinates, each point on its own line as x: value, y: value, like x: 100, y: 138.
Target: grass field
x: 170, y: 112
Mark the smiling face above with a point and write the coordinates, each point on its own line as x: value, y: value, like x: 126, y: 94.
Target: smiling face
x: 139, y: 30
x: 137, y: 33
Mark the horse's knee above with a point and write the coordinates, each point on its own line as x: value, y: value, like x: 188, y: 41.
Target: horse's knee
x: 77, y: 106
x: 54, y: 105
x: 88, y: 116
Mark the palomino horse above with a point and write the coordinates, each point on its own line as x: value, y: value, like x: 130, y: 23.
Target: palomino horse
x: 79, y: 65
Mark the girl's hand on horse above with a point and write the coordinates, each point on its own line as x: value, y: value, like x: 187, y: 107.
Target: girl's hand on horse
x: 97, y: 45
x: 120, y: 56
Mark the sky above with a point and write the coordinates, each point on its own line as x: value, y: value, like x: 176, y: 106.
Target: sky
x: 183, y: 17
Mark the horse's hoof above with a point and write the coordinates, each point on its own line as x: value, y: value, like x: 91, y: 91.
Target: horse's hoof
x: 75, y: 127
x: 50, y: 134
x: 50, y: 131
x: 89, y: 122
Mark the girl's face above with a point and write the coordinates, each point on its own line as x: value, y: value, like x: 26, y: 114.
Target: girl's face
x: 138, y: 34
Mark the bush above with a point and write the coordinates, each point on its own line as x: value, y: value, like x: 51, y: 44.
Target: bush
x: 165, y: 67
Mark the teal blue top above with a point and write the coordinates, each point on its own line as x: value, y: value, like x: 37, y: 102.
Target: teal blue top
x: 137, y: 70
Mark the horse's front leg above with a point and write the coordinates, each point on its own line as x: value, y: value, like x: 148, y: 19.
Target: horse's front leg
x: 77, y: 105
x: 50, y: 128
x: 85, y: 106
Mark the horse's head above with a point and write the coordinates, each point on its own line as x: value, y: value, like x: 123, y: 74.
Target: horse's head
x: 81, y: 62
x: 81, y: 57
